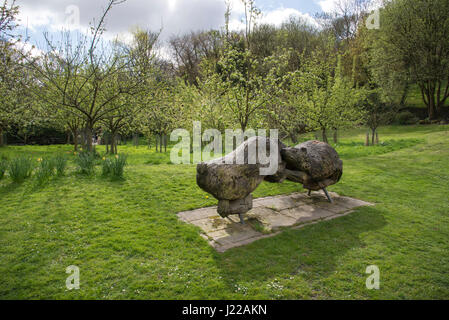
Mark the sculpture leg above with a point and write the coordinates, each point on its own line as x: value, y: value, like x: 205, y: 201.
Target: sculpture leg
x: 310, y: 193
x: 328, y: 195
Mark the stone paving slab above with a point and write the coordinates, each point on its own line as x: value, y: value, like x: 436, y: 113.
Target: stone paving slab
x: 269, y: 217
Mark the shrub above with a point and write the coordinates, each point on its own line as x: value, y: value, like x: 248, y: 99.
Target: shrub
x: 60, y: 165
x: 115, y: 166
x: 406, y: 118
x: 86, y: 162
x: 20, y: 169
x: 45, y: 170
x: 3, y: 167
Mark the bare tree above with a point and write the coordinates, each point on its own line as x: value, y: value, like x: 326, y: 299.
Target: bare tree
x: 190, y: 49
x: 78, y: 77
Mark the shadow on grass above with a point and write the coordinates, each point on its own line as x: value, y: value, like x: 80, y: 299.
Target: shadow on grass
x: 8, y: 188
x: 312, y: 251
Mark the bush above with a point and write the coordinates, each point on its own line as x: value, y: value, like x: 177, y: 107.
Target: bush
x: 20, y: 169
x: 406, y: 118
x: 86, y: 162
x: 114, y: 167
x: 3, y: 167
x: 60, y: 165
x: 45, y: 170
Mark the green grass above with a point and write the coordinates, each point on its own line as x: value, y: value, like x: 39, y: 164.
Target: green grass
x: 128, y: 243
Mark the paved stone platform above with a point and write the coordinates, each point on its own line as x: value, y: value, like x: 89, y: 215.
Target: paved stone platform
x: 268, y: 217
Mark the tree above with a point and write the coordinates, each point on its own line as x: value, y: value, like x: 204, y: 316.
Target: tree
x: 82, y: 76
x: 189, y: 50
x: 413, y: 34
x: 326, y: 99
x: 377, y: 113
x: 282, y: 112
x: 8, y: 16
x: 12, y: 74
x: 238, y: 67
x: 141, y: 65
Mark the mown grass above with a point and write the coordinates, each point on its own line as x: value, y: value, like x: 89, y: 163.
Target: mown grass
x: 128, y: 243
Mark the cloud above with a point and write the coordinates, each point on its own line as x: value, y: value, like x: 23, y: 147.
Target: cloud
x: 333, y: 5
x: 278, y: 16
x: 175, y: 17
x: 328, y: 5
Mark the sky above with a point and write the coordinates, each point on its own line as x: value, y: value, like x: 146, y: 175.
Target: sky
x: 175, y: 17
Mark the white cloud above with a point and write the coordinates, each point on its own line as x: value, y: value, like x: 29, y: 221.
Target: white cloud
x: 278, y: 16
x: 174, y: 16
x: 28, y: 48
x: 328, y: 5
x: 333, y: 5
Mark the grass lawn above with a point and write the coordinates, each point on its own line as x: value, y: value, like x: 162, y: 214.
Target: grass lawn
x: 128, y: 243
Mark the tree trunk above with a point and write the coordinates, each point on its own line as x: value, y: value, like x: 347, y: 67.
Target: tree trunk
x: 75, y: 139
x: 68, y: 137
x: 373, y: 132
x: 377, y: 137
x: 89, y: 145
x: 2, y: 141
x: 336, y: 136
x: 431, y: 99
x: 431, y: 108
x: 113, y: 143
x: 405, y: 94
x: 165, y: 143
x: 293, y: 137
x: 136, y: 140
x: 323, y: 132
x: 367, y: 140
x: 149, y: 142
x: 160, y: 143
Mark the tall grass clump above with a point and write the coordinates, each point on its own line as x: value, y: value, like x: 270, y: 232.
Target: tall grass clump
x: 115, y: 167
x: 60, y: 165
x: 20, y: 169
x: 3, y: 167
x: 86, y: 162
x: 45, y: 170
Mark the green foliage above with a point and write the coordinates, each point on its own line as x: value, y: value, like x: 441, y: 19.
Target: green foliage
x: 325, y: 98
x: 60, y: 163
x: 45, y: 170
x: 3, y: 168
x: 406, y: 118
x: 115, y: 166
x: 86, y: 162
x: 412, y: 43
x: 20, y: 169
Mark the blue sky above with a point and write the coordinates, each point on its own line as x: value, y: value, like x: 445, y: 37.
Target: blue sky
x: 304, y: 6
